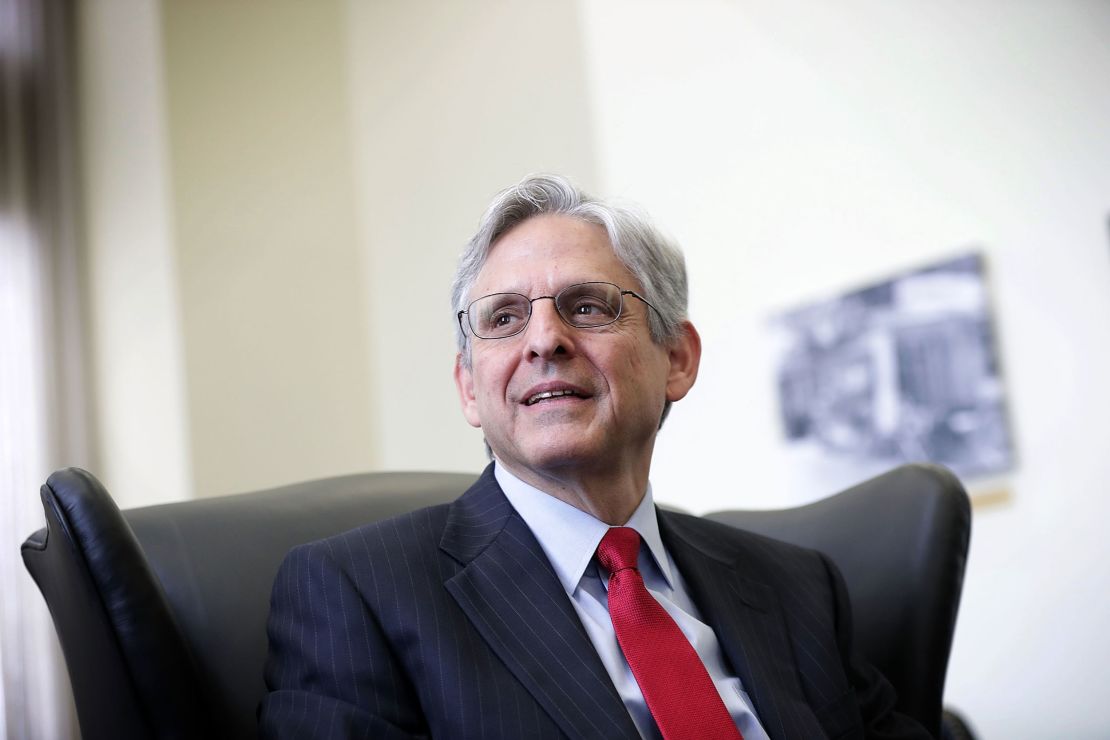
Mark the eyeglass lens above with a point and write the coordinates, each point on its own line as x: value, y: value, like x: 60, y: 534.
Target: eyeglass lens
x: 583, y: 305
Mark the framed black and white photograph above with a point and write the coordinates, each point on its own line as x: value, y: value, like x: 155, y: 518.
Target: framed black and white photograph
x: 903, y: 370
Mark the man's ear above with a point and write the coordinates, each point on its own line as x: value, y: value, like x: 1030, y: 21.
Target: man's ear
x: 464, y: 381
x: 685, y: 357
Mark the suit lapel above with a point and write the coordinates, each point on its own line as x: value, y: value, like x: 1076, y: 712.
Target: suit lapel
x: 510, y: 593
x: 747, y: 618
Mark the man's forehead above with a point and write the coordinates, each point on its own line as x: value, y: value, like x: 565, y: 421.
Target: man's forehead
x: 551, y: 251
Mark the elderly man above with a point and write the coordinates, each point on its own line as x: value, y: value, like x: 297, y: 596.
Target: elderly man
x: 552, y: 599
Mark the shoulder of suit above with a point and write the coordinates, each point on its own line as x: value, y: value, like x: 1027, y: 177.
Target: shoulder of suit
x: 415, y: 535
x: 416, y: 529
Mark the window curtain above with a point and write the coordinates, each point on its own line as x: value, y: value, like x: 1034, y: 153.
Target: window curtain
x: 43, y: 423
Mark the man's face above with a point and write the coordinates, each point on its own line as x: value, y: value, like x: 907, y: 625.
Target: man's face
x: 618, y: 377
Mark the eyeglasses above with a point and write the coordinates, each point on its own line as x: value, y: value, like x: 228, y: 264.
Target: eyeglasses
x: 583, y: 306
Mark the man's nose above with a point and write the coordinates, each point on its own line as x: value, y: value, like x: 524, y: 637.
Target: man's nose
x: 547, y: 335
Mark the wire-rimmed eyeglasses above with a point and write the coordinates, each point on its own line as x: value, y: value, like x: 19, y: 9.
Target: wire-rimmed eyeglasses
x: 582, y: 305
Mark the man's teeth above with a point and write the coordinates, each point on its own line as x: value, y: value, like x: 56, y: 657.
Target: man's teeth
x: 548, y: 394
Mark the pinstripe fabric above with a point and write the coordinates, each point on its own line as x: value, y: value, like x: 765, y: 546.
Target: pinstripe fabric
x: 450, y: 623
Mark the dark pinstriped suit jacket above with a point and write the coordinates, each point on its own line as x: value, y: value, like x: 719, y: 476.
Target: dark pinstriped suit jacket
x: 449, y: 622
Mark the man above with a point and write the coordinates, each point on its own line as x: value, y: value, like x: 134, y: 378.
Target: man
x: 552, y: 599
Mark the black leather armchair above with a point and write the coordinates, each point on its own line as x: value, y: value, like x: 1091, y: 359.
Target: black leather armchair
x: 900, y: 540
x: 161, y: 610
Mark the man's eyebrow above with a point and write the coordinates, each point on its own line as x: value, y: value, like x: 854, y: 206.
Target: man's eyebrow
x: 563, y: 285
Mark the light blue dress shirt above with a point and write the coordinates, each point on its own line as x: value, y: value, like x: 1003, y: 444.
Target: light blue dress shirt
x: 569, y: 537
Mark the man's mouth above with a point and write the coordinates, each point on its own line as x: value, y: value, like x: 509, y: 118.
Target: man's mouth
x: 546, y: 395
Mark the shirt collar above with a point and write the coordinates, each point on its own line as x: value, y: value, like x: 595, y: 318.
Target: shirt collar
x: 569, y: 536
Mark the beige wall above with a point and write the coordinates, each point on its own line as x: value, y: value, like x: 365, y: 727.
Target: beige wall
x: 134, y: 317
x: 270, y: 274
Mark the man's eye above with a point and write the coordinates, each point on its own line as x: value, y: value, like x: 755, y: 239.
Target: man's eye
x: 504, y: 317
x: 591, y: 307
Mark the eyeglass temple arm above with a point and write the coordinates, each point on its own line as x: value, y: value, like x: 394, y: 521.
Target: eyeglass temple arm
x: 634, y: 294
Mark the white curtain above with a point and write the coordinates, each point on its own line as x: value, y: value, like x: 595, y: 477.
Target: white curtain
x: 42, y: 417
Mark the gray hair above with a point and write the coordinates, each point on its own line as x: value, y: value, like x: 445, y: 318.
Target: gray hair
x: 654, y: 260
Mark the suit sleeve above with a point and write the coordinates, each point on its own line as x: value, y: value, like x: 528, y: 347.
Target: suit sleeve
x: 330, y: 671
x: 875, y: 697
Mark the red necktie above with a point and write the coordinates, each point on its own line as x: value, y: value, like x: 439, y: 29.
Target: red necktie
x: 677, y: 688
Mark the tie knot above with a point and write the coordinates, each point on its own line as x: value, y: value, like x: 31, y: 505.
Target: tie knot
x: 619, y: 549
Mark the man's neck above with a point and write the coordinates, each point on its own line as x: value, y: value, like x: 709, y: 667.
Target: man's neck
x: 610, y: 495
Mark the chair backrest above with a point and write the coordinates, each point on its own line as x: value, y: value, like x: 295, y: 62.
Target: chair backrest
x: 161, y: 611
x: 900, y: 540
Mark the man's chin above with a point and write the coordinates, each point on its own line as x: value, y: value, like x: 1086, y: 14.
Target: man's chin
x: 545, y: 459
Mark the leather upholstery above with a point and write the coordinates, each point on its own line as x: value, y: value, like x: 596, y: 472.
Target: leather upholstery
x: 161, y: 611
x: 900, y: 540
x: 117, y: 630
x: 138, y: 597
